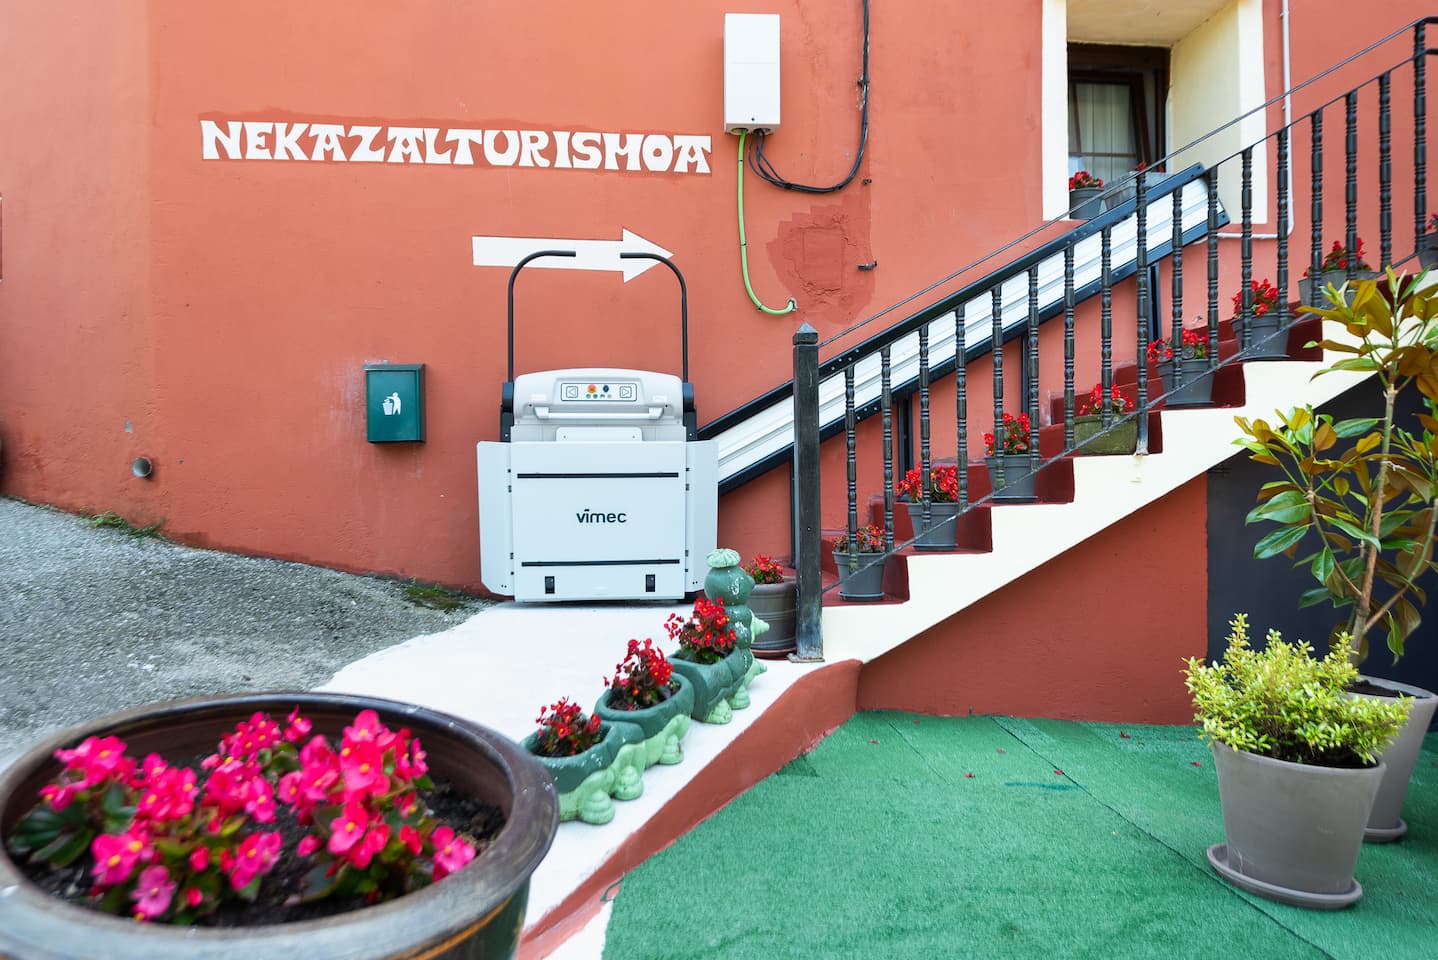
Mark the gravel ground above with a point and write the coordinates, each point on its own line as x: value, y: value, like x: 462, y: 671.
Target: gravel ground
x: 94, y: 620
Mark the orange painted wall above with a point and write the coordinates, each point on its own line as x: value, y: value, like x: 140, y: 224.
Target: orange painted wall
x: 1053, y: 644
x: 216, y: 315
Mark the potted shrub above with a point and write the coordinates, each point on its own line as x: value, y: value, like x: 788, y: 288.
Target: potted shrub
x: 1085, y: 196
x: 861, y: 564
x: 774, y: 600
x: 1265, y: 339
x: 1092, y: 435
x: 1428, y: 245
x: 277, y: 843
x: 1190, y: 356
x: 646, y: 692
x: 589, y: 759
x: 710, y: 658
x: 1008, y: 461
x: 1333, y: 272
x: 1367, y: 490
x: 1297, y: 766
x: 940, y: 502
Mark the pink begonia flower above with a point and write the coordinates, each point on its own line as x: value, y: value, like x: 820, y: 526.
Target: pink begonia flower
x: 60, y: 796
x: 261, y: 802
x: 316, y: 753
x: 450, y: 852
x: 97, y: 759
x: 410, y: 764
x: 363, y: 768
x: 348, y: 828
x: 153, y: 893
x: 257, y: 855
x: 194, y: 897
x: 289, y: 788
x: 298, y: 727
x: 410, y: 837
x: 199, y: 859
x: 363, y: 852
x: 308, y: 845
x: 116, y: 856
x: 366, y: 728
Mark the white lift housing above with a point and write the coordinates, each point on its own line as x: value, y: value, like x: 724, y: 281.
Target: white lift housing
x: 598, y: 495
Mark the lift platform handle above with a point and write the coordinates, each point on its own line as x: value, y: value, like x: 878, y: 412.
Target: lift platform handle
x: 683, y: 307
x: 514, y: 273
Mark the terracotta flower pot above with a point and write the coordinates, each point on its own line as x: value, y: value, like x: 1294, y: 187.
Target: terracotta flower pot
x: 478, y: 911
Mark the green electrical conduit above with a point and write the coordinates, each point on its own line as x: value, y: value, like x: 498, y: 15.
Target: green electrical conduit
x: 744, y: 244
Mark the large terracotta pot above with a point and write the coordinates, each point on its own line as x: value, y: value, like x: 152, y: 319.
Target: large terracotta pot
x: 475, y: 913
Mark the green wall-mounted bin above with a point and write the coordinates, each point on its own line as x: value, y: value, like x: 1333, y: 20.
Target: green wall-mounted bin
x: 394, y: 402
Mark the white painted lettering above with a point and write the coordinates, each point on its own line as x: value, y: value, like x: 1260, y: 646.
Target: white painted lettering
x: 255, y: 146
x: 628, y: 148
x: 431, y: 155
x: 327, y: 140
x: 461, y: 140
x: 586, y: 151
x: 692, y: 150
x: 406, y: 147
x: 211, y: 139
x: 658, y: 152
x: 366, y: 152
x: 493, y: 156
x: 561, y: 149
x: 287, y: 141
x: 533, y: 142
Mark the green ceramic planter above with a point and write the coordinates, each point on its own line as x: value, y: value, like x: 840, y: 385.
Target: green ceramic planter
x: 1120, y: 438
x: 717, y: 686
x: 663, y: 725
x: 613, y: 767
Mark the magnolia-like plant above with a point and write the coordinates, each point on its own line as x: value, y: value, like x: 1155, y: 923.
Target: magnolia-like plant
x: 1367, y: 487
x: 173, y: 843
x: 1280, y: 702
x: 706, y: 636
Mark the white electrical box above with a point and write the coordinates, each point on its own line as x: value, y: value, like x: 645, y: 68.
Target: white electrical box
x: 751, y: 72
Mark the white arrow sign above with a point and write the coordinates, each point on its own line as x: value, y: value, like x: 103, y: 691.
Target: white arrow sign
x: 590, y: 254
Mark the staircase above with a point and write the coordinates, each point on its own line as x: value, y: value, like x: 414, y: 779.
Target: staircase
x: 1050, y: 312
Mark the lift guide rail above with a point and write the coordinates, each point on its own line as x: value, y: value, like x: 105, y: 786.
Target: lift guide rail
x: 598, y: 495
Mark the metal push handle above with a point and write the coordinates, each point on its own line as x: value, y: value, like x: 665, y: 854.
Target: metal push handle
x: 514, y: 273
x: 542, y: 413
x: 683, y: 307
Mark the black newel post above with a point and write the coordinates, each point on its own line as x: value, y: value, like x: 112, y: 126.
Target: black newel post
x: 808, y: 639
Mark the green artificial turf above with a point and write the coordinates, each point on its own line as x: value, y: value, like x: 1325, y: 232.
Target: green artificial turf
x: 910, y: 836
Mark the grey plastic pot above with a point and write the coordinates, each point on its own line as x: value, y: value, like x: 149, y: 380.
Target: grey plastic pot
x: 1085, y: 203
x: 1197, y: 387
x: 939, y: 534
x: 1265, y: 341
x: 1314, y: 294
x: 775, y: 604
x: 866, y: 582
x: 1385, y: 822
x: 1293, y: 830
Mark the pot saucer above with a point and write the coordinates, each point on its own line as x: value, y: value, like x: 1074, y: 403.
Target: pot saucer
x: 1385, y: 834
x: 1218, y: 859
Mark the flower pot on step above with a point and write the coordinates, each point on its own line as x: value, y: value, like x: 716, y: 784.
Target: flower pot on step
x: 1313, y: 294
x: 1293, y: 831
x: 477, y: 911
x: 1265, y: 340
x: 664, y: 724
x: 776, y: 605
x: 585, y: 782
x: 1121, y: 437
x: 939, y: 534
x: 1385, y: 822
x: 861, y: 575
x: 1085, y: 203
x: 1197, y: 388
x: 1017, y: 485
x: 715, y: 684
x: 1428, y: 251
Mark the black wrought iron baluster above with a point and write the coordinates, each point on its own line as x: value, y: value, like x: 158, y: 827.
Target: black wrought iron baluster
x: 1141, y: 277
x: 1176, y: 266
x: 1068, y: 347
x: 886, y: 410
x: 1315, y: 266
x: 1105, y: 316
x: 961, y: 405
x: 997, y: 352
x: 1385, y: 172
x: 851, y: 465
x: 1245, y: 316
x: 1031, y: 373
x: 924, y: 422
x: 1420, y: 133
x: 1212, y: 178
x: 1282, y: 268
x: 1350, y: 180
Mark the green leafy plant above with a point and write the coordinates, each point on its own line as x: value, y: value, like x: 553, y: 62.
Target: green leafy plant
x: 1372, y: 502
x: 112, y: 520
x: 1283, y: 703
